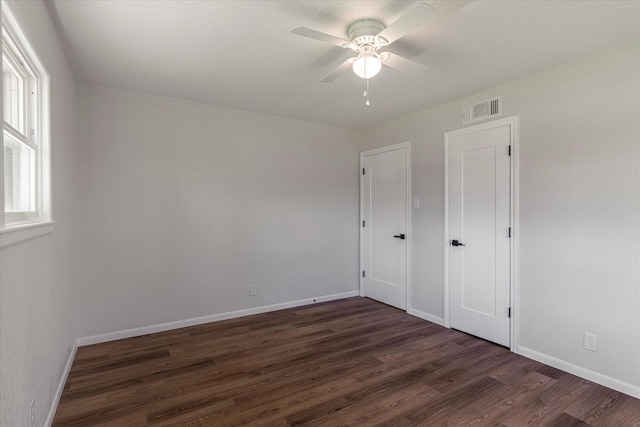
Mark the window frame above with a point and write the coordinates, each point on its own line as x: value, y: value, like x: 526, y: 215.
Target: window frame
x: 18, y: 226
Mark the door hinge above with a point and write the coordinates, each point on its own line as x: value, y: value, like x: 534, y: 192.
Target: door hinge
x: 509, y: 312
x: 509, y: 232
x: 509, y: 150
x: 363, y: 223
x: 362, y: 273
x: 362, y: 171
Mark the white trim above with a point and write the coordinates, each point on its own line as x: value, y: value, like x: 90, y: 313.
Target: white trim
x: 45, y: 208
x: 409, y: 228
x: 128, y: 333
x: 515, y: 232
x: 63, y: 380
x: 596, y: 377
x: 2, y: 141
x: 20, y: 233
x: 406, y: 145
x: 446, y: 319
x: 512, y: 122
x: 386, y: 148
x: 43, y: 125
x: 426, y: 316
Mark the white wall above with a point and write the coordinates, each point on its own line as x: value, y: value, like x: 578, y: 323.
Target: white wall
x: 182, y: 206
x: 579, y: 208
x: 38, y: 277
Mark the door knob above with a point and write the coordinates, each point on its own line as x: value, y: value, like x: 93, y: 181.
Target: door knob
x: 456, y: 243
x: 399, y: 236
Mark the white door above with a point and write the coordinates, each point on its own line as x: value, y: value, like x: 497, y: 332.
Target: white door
x: 479, y: 195
x: 384, y: 239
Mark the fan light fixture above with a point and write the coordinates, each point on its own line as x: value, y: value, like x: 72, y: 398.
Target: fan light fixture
x: 366, y: 37
x: 368, y: 64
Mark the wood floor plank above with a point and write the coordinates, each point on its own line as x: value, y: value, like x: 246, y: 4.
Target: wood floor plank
x: 492, y: 405
x: 352, y: 362
x: 607, y: 408
x: 437, y: 411
x: 547, y: 405
x: 565, y: 420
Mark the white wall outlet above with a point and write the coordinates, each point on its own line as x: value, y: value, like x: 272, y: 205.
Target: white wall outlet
x: 253, y: 290
x: 590, y: 342
x: 32, y: 412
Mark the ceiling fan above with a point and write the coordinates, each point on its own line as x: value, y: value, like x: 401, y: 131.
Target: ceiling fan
x: 367, y: 37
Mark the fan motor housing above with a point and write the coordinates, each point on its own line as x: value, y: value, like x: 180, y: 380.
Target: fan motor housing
x: 364, y: 31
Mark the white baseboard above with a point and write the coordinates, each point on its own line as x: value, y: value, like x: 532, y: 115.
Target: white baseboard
x: 426, y: 316
x: 63, y: 380
x: 596, y: 377
x: 128, y: 333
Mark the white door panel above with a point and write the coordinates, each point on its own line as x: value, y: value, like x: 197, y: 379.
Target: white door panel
x: 384, y: 211
x: 479, y: 218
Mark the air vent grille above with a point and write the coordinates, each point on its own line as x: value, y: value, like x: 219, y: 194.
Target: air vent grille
x: 482, y: 110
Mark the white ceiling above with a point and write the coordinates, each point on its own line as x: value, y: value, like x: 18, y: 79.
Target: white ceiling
x: 241, y: 54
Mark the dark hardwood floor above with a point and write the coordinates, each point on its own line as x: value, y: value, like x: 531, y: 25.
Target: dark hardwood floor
x: 350, y: 362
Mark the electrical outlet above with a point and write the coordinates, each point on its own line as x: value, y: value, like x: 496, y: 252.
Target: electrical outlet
x: 590, y: 342
x: 32, y: 412
x: 253, y: 290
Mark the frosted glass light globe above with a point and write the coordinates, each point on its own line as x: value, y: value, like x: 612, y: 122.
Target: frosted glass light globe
x: 367, y: 66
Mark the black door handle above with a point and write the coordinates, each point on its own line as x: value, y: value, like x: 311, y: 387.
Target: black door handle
x: 456, y: 243
x: 399, y: 236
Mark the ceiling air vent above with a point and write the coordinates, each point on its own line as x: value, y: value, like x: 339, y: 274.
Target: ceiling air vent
x: 482, y: 110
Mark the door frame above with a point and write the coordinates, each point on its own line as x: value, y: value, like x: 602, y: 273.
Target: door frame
x: 512, y: 122
x: 402, y: 145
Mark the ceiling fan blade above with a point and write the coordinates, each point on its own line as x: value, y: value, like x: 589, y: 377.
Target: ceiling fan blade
x: 338, y: 71
x: 403, y: 64
x: 415, y: 18
x: 317, y: 35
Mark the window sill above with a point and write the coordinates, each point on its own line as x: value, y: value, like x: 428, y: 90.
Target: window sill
x: 19, y: 233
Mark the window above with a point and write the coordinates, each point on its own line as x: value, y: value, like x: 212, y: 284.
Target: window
x: 24, y: 167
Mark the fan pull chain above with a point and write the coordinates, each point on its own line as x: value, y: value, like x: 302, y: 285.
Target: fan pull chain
x: 366, y: 87
x: 366, y: 93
